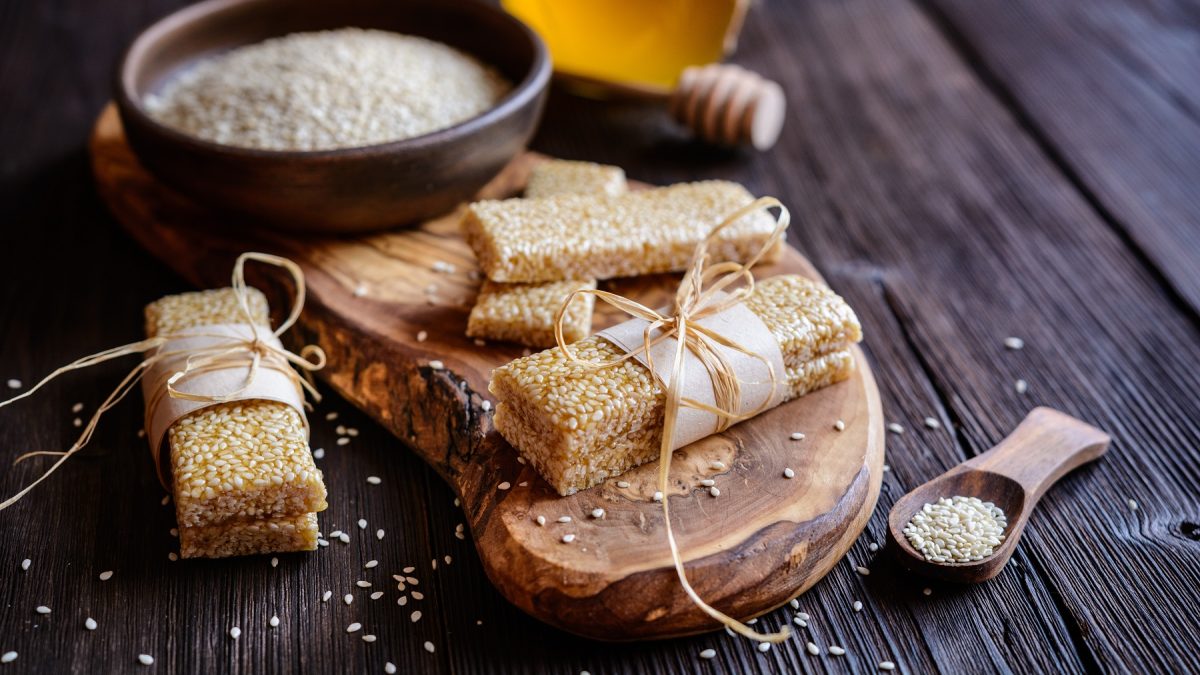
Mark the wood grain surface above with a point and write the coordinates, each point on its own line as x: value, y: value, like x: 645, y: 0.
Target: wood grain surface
x: 383, y: 313
x: 924, y: 195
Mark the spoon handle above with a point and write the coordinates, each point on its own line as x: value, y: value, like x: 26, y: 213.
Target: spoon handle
x: 1043, y: 448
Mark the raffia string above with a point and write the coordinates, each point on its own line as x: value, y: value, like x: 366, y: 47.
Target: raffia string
x: 700, y: 294
x: 253, y: 354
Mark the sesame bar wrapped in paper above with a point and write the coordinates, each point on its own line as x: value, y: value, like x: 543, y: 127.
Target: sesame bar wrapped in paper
x: 579, y: 426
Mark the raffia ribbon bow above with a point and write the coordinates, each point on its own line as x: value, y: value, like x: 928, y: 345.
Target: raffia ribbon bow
x: 253, y: 353
x: 701, y: 294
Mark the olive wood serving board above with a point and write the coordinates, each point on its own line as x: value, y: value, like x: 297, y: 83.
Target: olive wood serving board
x: 766, y: 538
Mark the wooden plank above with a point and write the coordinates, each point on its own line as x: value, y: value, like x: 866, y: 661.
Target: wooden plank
x: 1110, y: 89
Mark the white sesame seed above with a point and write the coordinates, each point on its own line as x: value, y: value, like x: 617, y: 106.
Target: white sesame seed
x: 862, y: 570
x: 437, y: 365
x: 344, y: 440
x: 887, y: 665
x: 857, y: 606
x: 799, y: 622
x: 813, y: 648
x: 374, y: 480
x: 788, y: 473
x: 415, y: 616
x: 9, y: 657
x: 794, y: 603
x: 331, y: 416
x: 447, y: 559
x: 165, y: 500
x: 504, y: 486
x: 360, y: 290
x: 622, y: 484
x: 354, y: 627
x: 872, y: 547
x: 764, y: 647
x: 1021, y: 386
x: 541, y: 520
x: 361, y: 583
x: 172, y: 556
x: 42, y: 609
x: 887, y: 468
x: 274, y: 562
x: 368, y: 638
x: 836, y: 650
x: 274, y: 622
x: 106, y: 575
x: 708, y: 482
x: 422, y: 336
x: 1014, y: 343
x: 658, y: 496
x: 377, y: 595
x: 77, y: 407
x: 174, y: 532
x: 14, y: 384
x: 597, y: 513
x: 524, y: 483
x: 335, y: 534
x: 708, y: 653
x: 804, y: 616
x: 235, y: 632
x: 344, y: 538
x: 352, y: 432
x: 564, y: 519
x: 379, y: 533
x: 389, y: 668
x: 326, y: 596
x: 418, y: 595
x: 322, y: 542
x: 797, y: 436
x: 89, y: 623
x: 895, y: 427
x: 145, y: 659
x: 347, y: 598
x: 568, y: 538
x: 429, y: 646
x: 25, y: 564
x: 402, y: 600
x: 719, y: 466
x: 927, y: 591
x: 1133, y: 505
x: 485, y: 405
x: 77, y: 422
x: 839, y: 425
x: 714, y: 491
x: 362, y: 523
x: 370, y: 564
x: 933, y: 423
x: 956, y: 529
x: 480, y: 343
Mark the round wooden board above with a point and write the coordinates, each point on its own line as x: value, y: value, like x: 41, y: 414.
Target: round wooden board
x: 763, y: 541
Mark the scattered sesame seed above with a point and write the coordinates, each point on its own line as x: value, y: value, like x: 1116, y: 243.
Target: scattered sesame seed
x: 9, y: 657
x: 377, y: 595
x: 872, y: 547
x: 347, y: 598
x: 541, y: 520
x: 415, y: 616
x: 362, y: 583
x: 794, y: 603
x: 927, y: 591
x: 715, y: 491
x: 799, y: 622
x: 597, y: 513
x: 446, y: 559
x: 145, y: 659
x: 433, y: 564
x: 402, y: 600
x: 788, y: 473
x: 422, y: 336
x: 437, y: 365
x: 368, y: 638
x: 895, y: 427
x: 933, y: 423
x: 362, y: 523
x: 77, y: 407
x: 331, y: 416
x: 836, y: 650
x: 485, y: 405
x: 274, y: 562
x: 172, y: 556
x: 764, y: 647
x: 564, y: 519
x: 813, y: 649
x: 708, y: 482
x: 409, y: 570
x: 25, y: 564
x: 77, y: 422
x: 141, y: 433
x: 1021, y: 386
x: 887, y: 468
x: 412, y: 580
x: 370, y: 563
x: 379, y: 533
x: 622, y: 484
x: 389, y: 668
x: 319, y: 453
x: 165, y: 500
x: 862, y: 570
x: 42, y: 609
x: 708, y: 653
x: 804, y: 616
x: 839, y: 425
x: 14, y: 384
x: 360, y: 290
x: 106, y: 575
x: 174, y: 532
x: 374, y: 480
x: 344, y: 538
x: 504, y: 486
x: 658, y: 496
x: 797, y: 436
x: 719, y: 466
x: 480, y: 343
x: 235, y: 632
x: 1133, y: 505
x: 418, y: 595
x: 429, y: 646
x: 322, y: 542
x: 857, y: 606
x: 354, y: 627
x: 90, y: 623
x: 887, y: 665
x: 335, y: 534
x: 326, y: 596
x: 1014, y: 343
x: 344, y: 440
x: 274, y: 622
x: 568, y: 538
x: 352, y: 432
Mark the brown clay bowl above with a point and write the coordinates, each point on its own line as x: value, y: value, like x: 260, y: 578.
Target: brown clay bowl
x: 345, y: 190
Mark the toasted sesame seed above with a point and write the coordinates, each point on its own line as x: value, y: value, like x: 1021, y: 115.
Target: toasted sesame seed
x: 368, y: 638
x: 708, y: 653
x: 797, y: 436
x: 377, y: 595
x: 597, y: 513
x: 839, y: 425
x: 389, y: 668
x: 437, y: 365
x: 90, y: 623
x: 504, y: 486
x: 9, y: 657
x: 862, y: 570
x: 541, y: 520
x: 371, y: 563
x: 235, y: 632
x: 347, y: 598
x: 42, y: 609
x: 933, y: 423
x: 788, y: 473
x: 25, y: 564
x: 145, y: 659
x: 836, y: 650
x: 564, y: 519
x: 374, y: 480
x: 274, y: 622
x: 1014, y: 343
x: 14, y: 384
x: 429, y: 646
x: 622, y: 484
x: 274, y: 562
x: 326, y: 596
x: 1021, y: 386
x: 895, y: 427
x: 857, y: 606
x: 379, y: 533
x: 106, y: 575
x: 354, y: 627
x: 887, y: 665
x: 568, y: 538
x: 415, y: 616
x: 764, y: 647
x: 813, y: 648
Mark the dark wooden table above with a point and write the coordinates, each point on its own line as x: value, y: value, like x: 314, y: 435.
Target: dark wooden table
x: 961, y: 170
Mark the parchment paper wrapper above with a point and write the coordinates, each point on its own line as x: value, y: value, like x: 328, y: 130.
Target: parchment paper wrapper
x: 269, y: 384
x: 737, y: 324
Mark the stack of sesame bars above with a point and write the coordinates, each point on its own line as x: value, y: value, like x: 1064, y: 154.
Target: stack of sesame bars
x: 243, y: 477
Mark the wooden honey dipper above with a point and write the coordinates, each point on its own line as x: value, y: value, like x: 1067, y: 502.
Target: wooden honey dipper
x: 729, y: 105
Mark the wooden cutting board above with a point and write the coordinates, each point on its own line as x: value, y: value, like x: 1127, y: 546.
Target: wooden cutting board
x: 763, y: 541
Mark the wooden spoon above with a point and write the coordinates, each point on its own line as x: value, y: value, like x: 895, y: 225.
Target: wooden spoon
x: 1013, y: 475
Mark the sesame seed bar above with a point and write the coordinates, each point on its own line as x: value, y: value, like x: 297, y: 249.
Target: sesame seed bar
x: 570, y: 236
x: 241, y: 460
x: 561, y: 176
x: 579, y: 426
x: 524, y: 313
x: 271, y: 535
